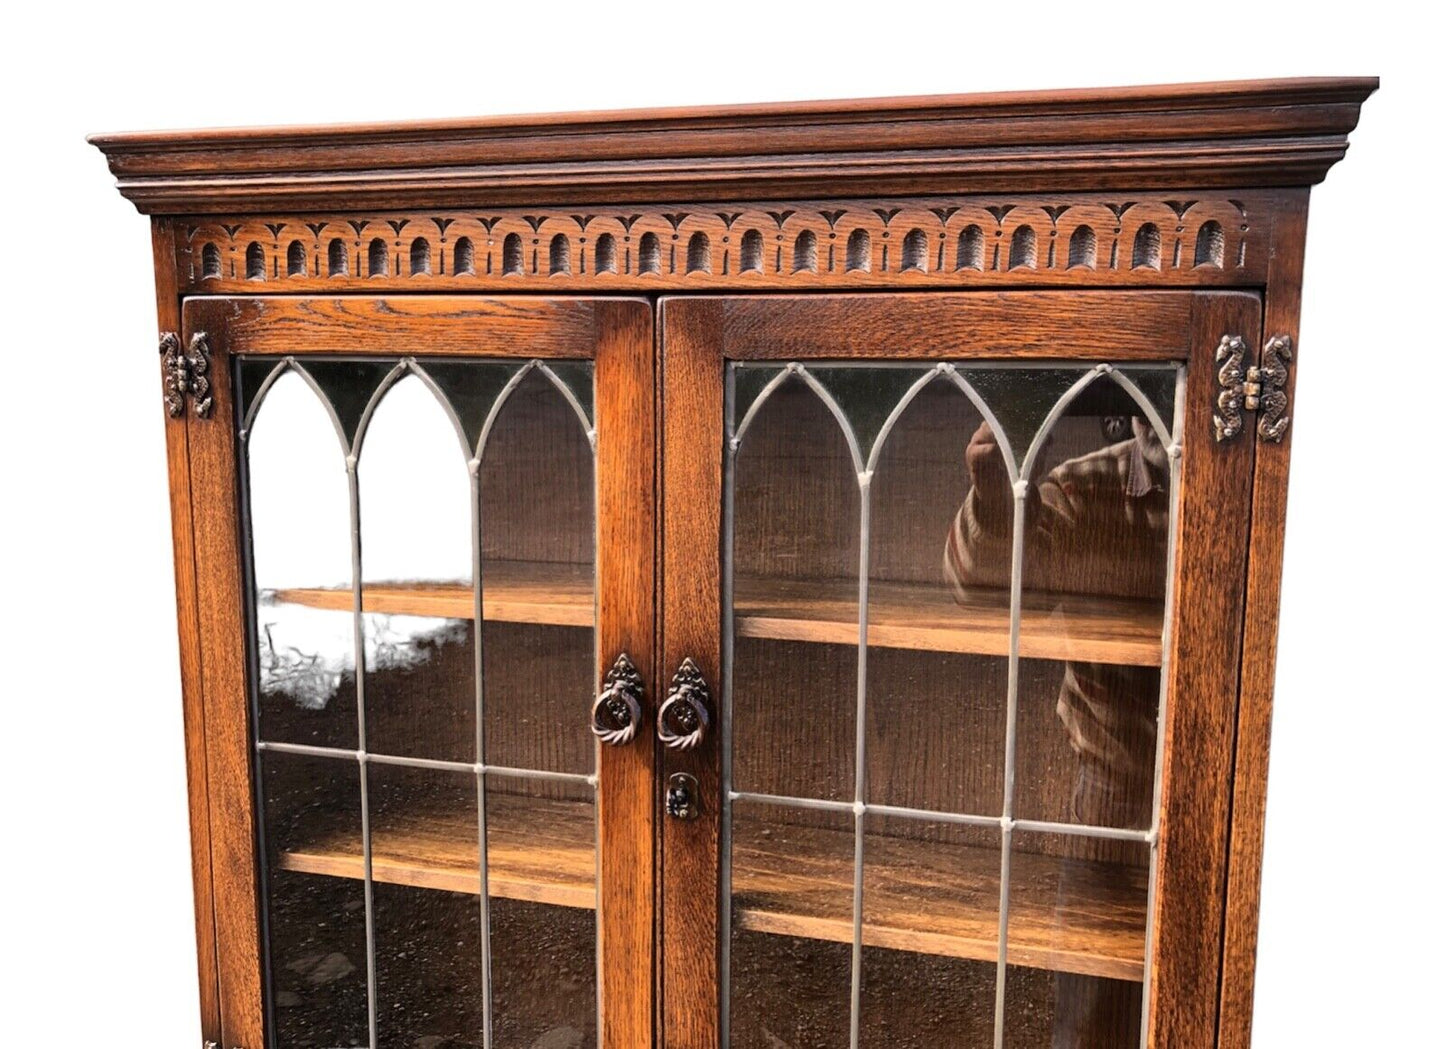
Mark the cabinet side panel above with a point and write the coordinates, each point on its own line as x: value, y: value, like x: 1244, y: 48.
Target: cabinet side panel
x: 1261, y: 625
x: 223, y: 667
x: 168, y: 317
x: 626, y: 457
x: 1204, y: 655
x: 692, y: 437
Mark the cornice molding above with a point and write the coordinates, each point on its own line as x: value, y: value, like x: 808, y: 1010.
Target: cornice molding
x: 1219, y: 136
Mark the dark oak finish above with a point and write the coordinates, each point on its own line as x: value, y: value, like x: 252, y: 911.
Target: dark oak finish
x: 1126, y: 239
x: 168, y: 316
x: 538, y: 850
x: 1031, y: 325
x: 691, y: 614
x: 626, y: 583
x: 1205, y: 645
x: 1100, y: 630
x: 1256, y: 689
x: 220, y: 573
x: 1248, y: 133
x: 441, y: 325
x: 617, y: 335
x: 545, y: 852
x: 699, y: 334
x: 1132, y: 224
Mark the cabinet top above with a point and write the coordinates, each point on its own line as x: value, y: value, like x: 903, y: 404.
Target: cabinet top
x: 1254, y: 133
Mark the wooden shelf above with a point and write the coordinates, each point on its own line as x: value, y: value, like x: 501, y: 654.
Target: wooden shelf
x: 540, y: 850
x: 929, y: 898
x: 900, y: 615
x: 514, y: 592
x: 921, y: 897
x: 928, y: 618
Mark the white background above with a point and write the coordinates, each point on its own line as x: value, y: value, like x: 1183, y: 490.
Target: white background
x: 97, y: 935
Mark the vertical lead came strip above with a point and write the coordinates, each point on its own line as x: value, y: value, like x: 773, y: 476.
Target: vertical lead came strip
x: 253, y: 657
x: 1015, y: 601
x: 860, y: 756
x: 359, y: 656
x: 1175, y: 450
x: 484, y: 932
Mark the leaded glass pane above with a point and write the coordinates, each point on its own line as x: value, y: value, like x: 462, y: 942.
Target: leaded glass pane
x: 420, y: 537
x: 300, y: 544
x: 416, y: 551
x: 1006, y: 689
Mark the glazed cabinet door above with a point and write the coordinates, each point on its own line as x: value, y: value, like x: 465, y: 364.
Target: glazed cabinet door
x: 952, y: 595
x: 424, y: 539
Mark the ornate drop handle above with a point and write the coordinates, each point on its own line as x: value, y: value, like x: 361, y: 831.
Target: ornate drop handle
x: 618, y: 707
x: 683, y: 718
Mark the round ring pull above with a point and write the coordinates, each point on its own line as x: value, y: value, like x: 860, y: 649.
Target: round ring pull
x: 618, y: 707
x: 683, y: 718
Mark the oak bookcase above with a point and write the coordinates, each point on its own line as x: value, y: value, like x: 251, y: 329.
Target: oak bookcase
x: 795, y: 576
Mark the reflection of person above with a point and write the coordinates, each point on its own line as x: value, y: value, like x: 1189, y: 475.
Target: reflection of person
x: 1095, y: 525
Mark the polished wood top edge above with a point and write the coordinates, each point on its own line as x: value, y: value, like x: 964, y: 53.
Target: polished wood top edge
x: 1075, y: 101
x: 1248, y: 133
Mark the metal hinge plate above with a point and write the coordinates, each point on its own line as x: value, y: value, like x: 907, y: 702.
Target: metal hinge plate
x: 1262, y: 388
x: 186, y: 374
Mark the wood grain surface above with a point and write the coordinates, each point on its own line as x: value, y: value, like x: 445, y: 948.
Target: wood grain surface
x: 546, y: 592
x: 1261, y: 626
x: 900, y: 615
x: 691, y: 617
x: 1100, y: 239
x: 1203, y: 690
x: 1245, y: 133
x: 626, y: 591
x: 788, y: 880
x: 1064, y: 915
x: 436, y: 325
x: 958, y: 325
x: 618, y: 334
x: 538, y: 849
x: 178, y: 470
x: 222, y: 602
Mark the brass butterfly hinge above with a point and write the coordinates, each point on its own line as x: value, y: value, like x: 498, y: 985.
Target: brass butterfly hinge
x: 186, y: 374
x: 1259, y: 388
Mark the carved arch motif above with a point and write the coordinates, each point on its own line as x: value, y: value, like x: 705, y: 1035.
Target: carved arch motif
x: 896, y: 243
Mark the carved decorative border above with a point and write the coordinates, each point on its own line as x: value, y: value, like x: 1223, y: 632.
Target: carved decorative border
x: 1184, y: 239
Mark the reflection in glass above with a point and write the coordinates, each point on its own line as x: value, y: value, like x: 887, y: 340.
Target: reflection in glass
x: 541, y: 877
x: 1082, y: 918
x: 316, y: 925
x: 1009, y: 689
x: 1096, y: 526
x: 300, y: 535
x: 935, y: 718
x: 416, y: 521
x: 378, y: 930
x: 795, y: 512
x: 930, y: 932
x: 792, y: 926
x: 537, y: 511
x: 426, y: 867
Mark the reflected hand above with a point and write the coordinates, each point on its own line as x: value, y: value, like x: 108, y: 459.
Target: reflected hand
x: 989, y: 475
